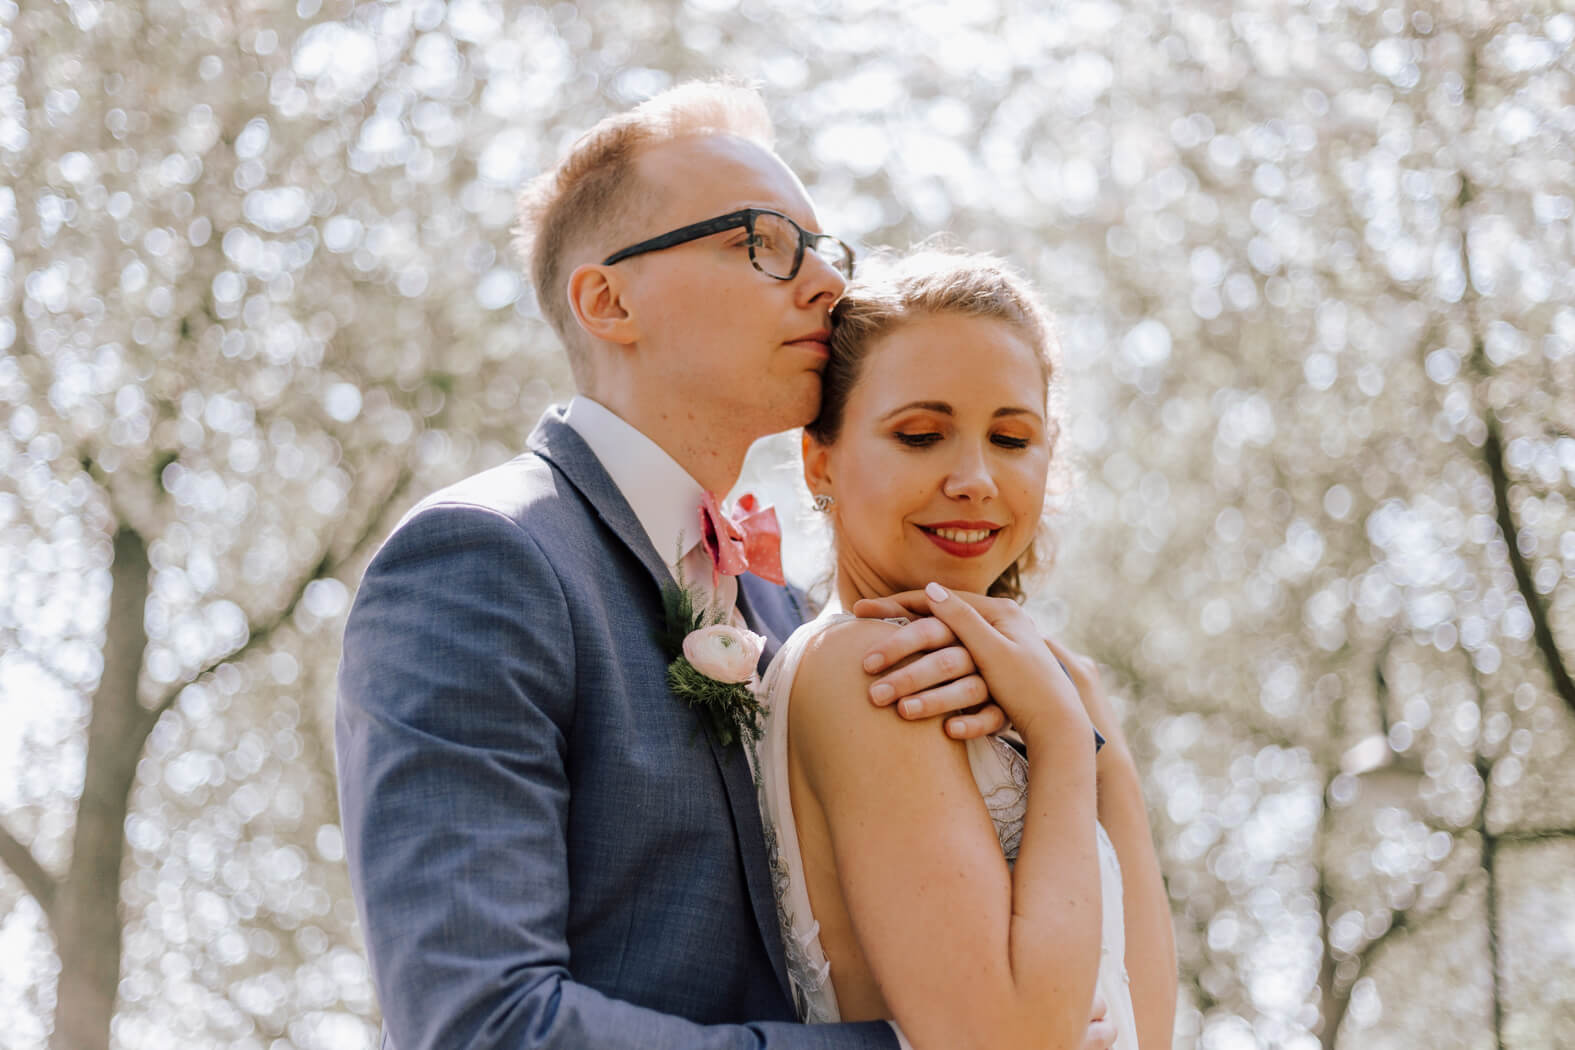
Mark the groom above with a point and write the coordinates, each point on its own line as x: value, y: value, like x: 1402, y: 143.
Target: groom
x: 547, y: 848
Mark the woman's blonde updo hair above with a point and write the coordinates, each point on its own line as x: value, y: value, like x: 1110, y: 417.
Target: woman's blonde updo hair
x: 896, y: 290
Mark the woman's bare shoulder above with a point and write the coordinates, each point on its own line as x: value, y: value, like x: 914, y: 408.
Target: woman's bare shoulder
x: 832, y: 667
x: 838, y: 730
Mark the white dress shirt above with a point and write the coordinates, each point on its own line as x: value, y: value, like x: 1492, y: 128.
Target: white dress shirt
x: 662, y: 494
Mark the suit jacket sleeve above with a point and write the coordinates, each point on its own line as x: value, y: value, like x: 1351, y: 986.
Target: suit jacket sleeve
x: 456, y: 695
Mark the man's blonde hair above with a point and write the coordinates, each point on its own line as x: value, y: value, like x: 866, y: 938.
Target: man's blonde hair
x: 592, y: 195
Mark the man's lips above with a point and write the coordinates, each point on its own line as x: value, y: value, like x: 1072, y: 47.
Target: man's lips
x: 964, y: 539
x: 819, y: 340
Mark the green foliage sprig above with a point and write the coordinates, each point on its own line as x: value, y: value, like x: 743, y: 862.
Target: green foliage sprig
x: 729, y: 708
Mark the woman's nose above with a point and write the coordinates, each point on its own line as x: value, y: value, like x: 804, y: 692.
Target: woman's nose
x: 970, y: 477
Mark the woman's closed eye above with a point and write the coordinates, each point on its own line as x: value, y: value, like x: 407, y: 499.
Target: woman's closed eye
x: 922, y: 439
x: 1010, y: 441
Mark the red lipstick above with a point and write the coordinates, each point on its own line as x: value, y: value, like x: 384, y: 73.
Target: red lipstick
x: 962, y: 539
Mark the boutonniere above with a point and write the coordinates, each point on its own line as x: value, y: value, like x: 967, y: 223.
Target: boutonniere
x: 713, y: 665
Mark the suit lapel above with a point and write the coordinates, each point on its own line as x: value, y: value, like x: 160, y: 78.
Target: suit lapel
x: 559, y: 444
x: 759, y: 624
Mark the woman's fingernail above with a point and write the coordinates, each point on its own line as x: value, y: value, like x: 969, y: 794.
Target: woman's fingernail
x: 881, y: 693
x: 874, y: 662
x: 909, y: 708
x: 936, y: 592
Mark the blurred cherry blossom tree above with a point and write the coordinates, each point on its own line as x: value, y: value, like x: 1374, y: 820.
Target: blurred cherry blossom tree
x: 256, y: 301
x: 1312, y: 262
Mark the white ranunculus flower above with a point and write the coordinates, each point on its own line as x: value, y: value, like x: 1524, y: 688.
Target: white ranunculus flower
x: 727, y: 654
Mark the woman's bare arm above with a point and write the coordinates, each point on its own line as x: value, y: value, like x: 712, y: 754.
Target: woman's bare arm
x: 1151, y: 939
x: 966, y: 951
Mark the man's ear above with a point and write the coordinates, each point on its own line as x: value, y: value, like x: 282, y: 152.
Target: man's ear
x: 596, y: 295
x: 817, y: 465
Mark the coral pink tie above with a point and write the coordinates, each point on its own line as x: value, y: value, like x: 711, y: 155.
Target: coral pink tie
x: 748, y: 540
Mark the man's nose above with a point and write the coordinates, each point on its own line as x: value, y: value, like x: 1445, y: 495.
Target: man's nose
x: 817, y: 277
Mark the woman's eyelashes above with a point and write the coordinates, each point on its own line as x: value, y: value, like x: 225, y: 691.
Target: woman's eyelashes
x: 924, y: 439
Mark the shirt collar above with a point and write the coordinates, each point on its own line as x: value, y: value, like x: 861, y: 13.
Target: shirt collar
x: 662, y: 494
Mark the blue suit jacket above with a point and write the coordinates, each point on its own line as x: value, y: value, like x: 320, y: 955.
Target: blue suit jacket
x: 547, y: 848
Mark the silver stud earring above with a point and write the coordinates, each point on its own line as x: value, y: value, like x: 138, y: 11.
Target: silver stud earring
x: 823, y: 502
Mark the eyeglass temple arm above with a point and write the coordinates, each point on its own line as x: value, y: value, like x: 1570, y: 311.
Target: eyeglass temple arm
x: 682, y: 235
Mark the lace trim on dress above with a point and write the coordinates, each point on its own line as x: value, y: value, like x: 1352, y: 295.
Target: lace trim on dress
x: 1007, y: 801
x: 809, y: 971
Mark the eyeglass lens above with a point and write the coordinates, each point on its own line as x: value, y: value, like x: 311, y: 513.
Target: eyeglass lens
x: 776, y: 244
x: 777, y: 247
x: 835, y: 253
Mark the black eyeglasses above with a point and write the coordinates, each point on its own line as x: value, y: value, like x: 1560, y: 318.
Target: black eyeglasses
x: 776, y: 242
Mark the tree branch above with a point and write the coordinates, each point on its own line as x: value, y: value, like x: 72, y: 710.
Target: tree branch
x: 1405, y: 920
x: 38, y: 882
x: 1493, y: 444
x: 1490, y: 873
x: 1521, y: 838
x: 1541, y: 631
x: 327, y: 565
x: 1332, y: 1003
x: 1489, y: 858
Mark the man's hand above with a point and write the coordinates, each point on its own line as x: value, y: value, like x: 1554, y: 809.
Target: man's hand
x: 938, y: 676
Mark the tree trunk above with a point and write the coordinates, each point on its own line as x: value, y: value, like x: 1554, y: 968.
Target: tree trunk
x: 88, y: 930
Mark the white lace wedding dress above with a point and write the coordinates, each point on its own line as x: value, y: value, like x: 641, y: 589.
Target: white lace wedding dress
x: 1002, y: 776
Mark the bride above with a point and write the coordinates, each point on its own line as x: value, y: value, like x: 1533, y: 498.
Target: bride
x: 972, y: 896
